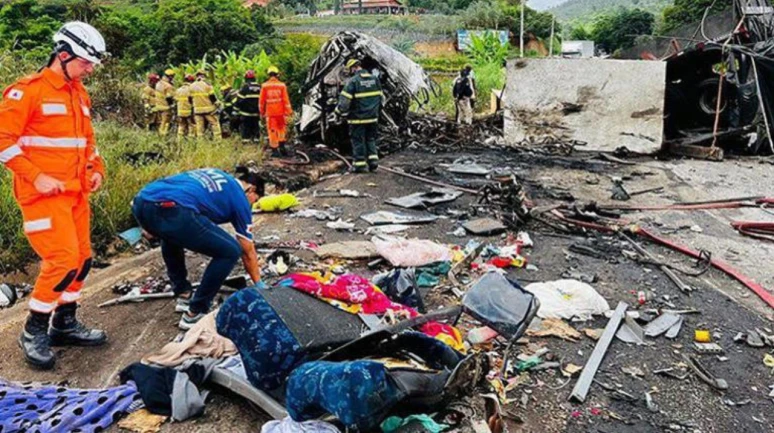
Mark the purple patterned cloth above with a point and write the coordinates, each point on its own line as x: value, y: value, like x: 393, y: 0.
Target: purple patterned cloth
x: 29, y: 408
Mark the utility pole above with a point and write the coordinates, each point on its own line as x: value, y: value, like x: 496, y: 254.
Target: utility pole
x: 521, y: 33
x: 551, y: 44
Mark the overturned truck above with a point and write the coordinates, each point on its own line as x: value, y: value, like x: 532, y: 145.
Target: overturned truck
x: 403, y: 82
x: 713, y: 94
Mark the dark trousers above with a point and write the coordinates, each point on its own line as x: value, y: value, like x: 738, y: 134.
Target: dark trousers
x: 364, y: 139
x: 183, y: 229
x: 250, y: 128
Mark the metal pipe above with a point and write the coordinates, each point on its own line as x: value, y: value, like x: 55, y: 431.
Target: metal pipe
x: 427, y: 181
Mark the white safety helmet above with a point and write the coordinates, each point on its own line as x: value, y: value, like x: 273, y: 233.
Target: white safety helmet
x: 82, y: 40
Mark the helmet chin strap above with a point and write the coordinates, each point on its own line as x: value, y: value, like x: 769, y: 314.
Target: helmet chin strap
x: 63, y: 63
x: 64, y: 67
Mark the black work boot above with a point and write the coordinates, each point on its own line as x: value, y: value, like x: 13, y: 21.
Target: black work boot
x: 35, y: 342
x: 66, y: 330
x: 373, y: 166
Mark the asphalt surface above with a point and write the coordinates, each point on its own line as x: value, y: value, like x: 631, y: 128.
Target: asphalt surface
x: 541, y: 403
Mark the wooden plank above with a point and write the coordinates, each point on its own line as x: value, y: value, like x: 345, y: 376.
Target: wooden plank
x: 699, y: 152
x: 590, y: 370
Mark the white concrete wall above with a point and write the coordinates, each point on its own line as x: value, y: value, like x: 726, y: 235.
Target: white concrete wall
x: 619, y: 102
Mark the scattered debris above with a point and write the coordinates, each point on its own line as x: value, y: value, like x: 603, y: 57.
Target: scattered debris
x: 634, y: 371
x: 581, y: 388
x: 652, y: 406
x: 672, y: 372
x: 8, y: 296
x: 702, y: 336
x: 708, y: 348
x: 387, y: 229
x: 568, y: 299
x: 675, y: 329
x: 410, y: 252
x: 570, y: 370
x: 425, y: 199
x: 481, y: 335
x: 553, y: 328
x: 331, y: 214
x: 631, y: 332
x: 704, y: 374
x: 594, y: 334
x: 754, y: 340
x: 768, y: 361
x: 142, y: 421
x: 661, y: 324
x: 388, y: 217
x: 466, y: 166
x: 341, y: 225
x: 348, y: 250
x: 484, y: 227
x: 132, y: 236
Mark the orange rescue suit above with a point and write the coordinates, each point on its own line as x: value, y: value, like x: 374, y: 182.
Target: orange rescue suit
x: 45, y: 127
x: 274, y: 105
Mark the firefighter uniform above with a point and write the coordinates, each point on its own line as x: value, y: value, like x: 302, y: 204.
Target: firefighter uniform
x: 275, y: 107
x: 361, y: 103
x: 45, y: 127
x: 165, y: 92
x: 229, y: 114
x: 185, y: 120
x: 147, y: 97
x: 203, y: 98
x: 246, y: 106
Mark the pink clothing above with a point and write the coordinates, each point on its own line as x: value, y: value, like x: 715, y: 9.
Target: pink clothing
x: 360, y: 296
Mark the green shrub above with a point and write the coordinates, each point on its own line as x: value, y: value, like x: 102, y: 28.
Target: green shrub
x: 486, y: 49
x: 405, y: 46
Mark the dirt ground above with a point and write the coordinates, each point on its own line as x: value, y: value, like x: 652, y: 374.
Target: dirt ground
x: 690, y: 405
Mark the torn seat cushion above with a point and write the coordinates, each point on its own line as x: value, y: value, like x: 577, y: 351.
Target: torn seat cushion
x: 359, y: 393
x: 268, y: 348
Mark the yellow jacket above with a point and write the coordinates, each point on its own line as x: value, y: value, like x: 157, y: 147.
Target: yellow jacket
x: 147, y: 94
x: 182, y: 94
x: 164, y: 90
x: 200, y: 93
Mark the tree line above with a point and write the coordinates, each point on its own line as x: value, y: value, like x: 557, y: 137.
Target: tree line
x: 142, y: 34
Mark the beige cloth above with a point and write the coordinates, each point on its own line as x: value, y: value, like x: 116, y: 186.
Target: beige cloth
x: 201, y: 341
x: 464, y: 111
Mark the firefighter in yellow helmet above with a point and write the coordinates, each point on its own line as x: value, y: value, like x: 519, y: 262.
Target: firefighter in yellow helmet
x: 147, y: 97
x: 164, y: 100
x: 185, y: 120
x: 204, y: 106
x: 274, y: 105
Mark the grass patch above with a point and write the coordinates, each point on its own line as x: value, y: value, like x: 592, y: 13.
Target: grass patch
x: 488, y: 78
x: 110, y: 206
x: 451, y: 63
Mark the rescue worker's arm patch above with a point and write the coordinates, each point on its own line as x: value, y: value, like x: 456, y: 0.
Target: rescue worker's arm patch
x: 15, y: 94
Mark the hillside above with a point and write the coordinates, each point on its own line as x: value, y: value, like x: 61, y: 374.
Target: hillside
x: 585, y: 10
x: 542, y: 5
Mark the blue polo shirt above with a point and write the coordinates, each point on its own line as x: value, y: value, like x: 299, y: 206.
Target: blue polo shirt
x: 210, y: 192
